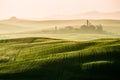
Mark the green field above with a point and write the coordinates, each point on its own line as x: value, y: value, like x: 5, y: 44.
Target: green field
x: 40, y: 58
x: 27, y: 53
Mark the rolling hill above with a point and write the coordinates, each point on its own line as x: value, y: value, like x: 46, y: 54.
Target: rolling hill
x: 40, y: 58
x: 20, y: 25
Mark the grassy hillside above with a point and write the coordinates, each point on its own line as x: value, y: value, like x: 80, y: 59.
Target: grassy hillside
x: 55, y: 59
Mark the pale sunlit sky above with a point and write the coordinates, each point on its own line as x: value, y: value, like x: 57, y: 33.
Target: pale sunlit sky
x: 36, y: 9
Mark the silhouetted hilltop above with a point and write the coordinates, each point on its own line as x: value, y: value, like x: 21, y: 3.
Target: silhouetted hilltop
x: 86, y: 28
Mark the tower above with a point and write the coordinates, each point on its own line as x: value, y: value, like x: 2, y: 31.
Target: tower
x: 55, y: 28
x: 87, y: 23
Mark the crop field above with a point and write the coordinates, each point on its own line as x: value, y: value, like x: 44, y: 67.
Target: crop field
x: 59, y: 39
x: 41, y: 58
x: 29, y: 53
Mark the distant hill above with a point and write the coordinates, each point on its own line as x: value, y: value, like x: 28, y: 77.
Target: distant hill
x: 22, y: 25
x: 87, y: 15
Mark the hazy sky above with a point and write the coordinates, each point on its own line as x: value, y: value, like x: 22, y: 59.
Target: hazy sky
x: 36, y: 9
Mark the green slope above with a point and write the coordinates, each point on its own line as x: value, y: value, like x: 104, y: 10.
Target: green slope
x: 55, y: 59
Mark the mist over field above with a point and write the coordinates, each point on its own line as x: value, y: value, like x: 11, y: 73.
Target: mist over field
x: 59, y: 39
x: 16, y: 28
